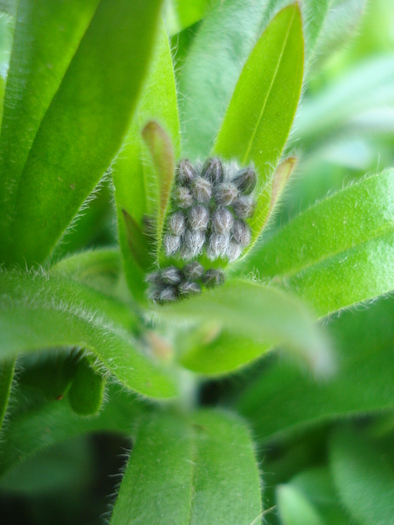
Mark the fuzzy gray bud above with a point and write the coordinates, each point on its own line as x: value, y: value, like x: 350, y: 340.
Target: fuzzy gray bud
x: 225, y: 193
x: 194, y: 242
x: 167, y: 294
x: 198, y: 217
x: 234, y: 250
x: 245, y: 180
x: 241, y: 233
x: 183, y: 197
x: 218, y: 245
x: 189, y: 288
x: 202, y: 190
x: 212, y: 278
x: 185, y: 173
x: 222, y: 220
x: 244, y: 207
x: 176, y: 223
x: 171, y: 275
x: 193, y: 271
x: 172, y: 244
x: 212, y: 170
x: 153, y: 278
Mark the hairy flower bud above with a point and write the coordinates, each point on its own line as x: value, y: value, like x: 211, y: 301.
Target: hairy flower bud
x: 167, y: 294
x: 225, y: 193
x: 218, y: 245
x: 176, y: 223
x: 198, y: 217
x: 241, y: 233
x: 185, y: 173
x: 153, y: 278
x: 222, y: 220
x: 183, y: 197
x: 234, y: 251
x: 193, y: 271
x: 212, y: 278
x: 172, y: 244
x: 245, y: 180
x: 189, y: 288
x: 212, y: 170
x: 194, y: 242
x: 244, y: 207
x: 202, y: 189
x: 171, y: 275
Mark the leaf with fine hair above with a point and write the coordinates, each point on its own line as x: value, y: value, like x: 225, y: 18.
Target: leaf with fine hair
x: 261, y: 112
x: 338, y: 252
x: 195, y: 469
x: 83, y: 127
x: 57, y: 313
x: 262, y: 314
x: 6, y: 377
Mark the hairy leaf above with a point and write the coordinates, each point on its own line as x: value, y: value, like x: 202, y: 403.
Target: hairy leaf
x: 6, y: 376
x: 199, y: 469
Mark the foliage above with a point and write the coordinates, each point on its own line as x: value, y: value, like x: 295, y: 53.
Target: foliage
x: 264, y: 399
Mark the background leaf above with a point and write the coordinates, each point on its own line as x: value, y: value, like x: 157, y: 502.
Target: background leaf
x: 84, y: 125
x: 339, y: 251
x: 259, y: 117
x: 197, y: 470
x: 6, y: 376
x: 56, y: 313
x: 283, y: 399
x: 259, y: 313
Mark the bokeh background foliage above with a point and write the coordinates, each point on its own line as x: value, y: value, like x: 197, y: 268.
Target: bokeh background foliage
x: 221, y: 427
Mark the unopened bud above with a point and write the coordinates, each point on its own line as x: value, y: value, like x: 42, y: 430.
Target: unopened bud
x: 202, y: 190
x: 245, y: 180
x: 172, y: 244
x: 218, y: 245
x: 183, y: 197
x: 222, y: 220
x: 213, y: 171
x: 225, y: 193
x: 193, y: 271
x: 198, y: 217
x: 244, y: 207
x: 194, y: 242
x: 241, y: 233
x: 185, y: 173
x: 234, y: 251
x: 153, y: 278
x: 176, y: 223
x: 167, y: 294
x: 189, y: 288
x: 171, y: 275
x: 212, y: 278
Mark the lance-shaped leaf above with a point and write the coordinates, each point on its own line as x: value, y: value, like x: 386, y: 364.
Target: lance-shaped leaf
x: 363, y: 475
x: 340, y: 251
x: 260, y: 313
x: 294, y: 508
x: 6, y: 376
x: 83, y: 126
x: 209, y: 75
x: 181, y: 14
x: 39, y: 313
x: 261, y: 112
x: 196, y: 470
x: 362, y: 384
x: 117, y: 415
x: 46, y: 36
x: 139, y: 200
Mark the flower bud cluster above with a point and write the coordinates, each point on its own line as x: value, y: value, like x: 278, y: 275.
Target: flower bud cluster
x: 211, y: 204
x: 172, y: 283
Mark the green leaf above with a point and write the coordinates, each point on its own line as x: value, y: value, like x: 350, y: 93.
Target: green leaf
x: 38, y: 313
x: 196, y: 470
x: 181, y: 14
x: 294, y: 508
x: 137, y: 192
x: 46, y: 36
x: 83, y: 126
x: 209, y: 75
x: 87, y: 390
x: 261, y: 112
x: 340, y: 251
x: 6, y: 376
x: 262, y: 314
x: 363, y: 474
x: 61, y: 423
x: 363, y: 382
